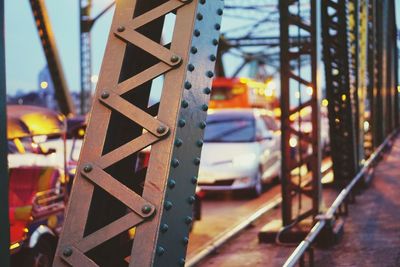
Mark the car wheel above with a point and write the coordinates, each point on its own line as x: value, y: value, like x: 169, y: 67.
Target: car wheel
x: 258, y: 187
x: 42, y: 254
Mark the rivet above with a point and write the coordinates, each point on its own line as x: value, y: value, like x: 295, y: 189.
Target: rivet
x: 175, y: 163
x: 175, y: 58
x: 185, y: 240
x: 199, y: 143
x: 184, y: 104
x: 213, y: 58
x: 160, y: 250
x: 181, y: 123
x: 194, y: 180
x: 199, y: 16
x: 171, y: 183
x: 202, y: 125
x: 67, y: 252
x: 220, y: 12
x: 202, y: 2
x: 188, y: 220
x: 146, y: 209
x: 188, y: 85
x: 178, y: 142
x: 191, y: 199
x: 105, y: 95
x: 168, y: 205
x: 204, y: 107
x: 196, y: 33
x: 161, y: 129
x: 182, y: 262
x: 88, y: 168
x: 193, y: 50
x: 207, y: 90
x: 215, y: 42
x: 210, y: 74
x: 121, y: 29
x: 217, y: 27
x: 164, y: 227
x: 191, y: 67
x: 196, y: 161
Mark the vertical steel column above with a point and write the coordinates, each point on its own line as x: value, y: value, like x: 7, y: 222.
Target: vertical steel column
x: 48, y: 42
x: 290, y: 54
x: 85, y: 7
x: 372, y: 77
x: 353, y: 31
x: 108, y: 197
x: 340, y: 110
x: 4, y: 209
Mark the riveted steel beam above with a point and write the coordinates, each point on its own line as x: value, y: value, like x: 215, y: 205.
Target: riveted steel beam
x: 340, y: 87
x: 118, y: 215
x: 292, y: 79
x: 48, y: 42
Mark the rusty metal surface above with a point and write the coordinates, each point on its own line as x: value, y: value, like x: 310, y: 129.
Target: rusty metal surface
x: 109, y: 196
x: 292, y: 78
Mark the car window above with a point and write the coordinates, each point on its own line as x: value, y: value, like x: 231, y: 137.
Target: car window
x: 262, y: 130
x: 270, y: 123
x: 229, y: 130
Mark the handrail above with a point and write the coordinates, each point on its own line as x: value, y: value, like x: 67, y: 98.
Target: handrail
x: 322, y: 219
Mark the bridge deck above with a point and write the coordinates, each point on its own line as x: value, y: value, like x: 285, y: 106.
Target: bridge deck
x: 372, y: 229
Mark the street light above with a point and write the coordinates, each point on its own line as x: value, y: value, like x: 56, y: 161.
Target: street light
x: 44, y: 85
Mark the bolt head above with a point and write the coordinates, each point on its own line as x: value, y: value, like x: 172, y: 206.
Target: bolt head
x: 67, y: 252
x: 191, y: 199
x: 188, y: 220
x: 168, y: 205
x: 164, y: 227
x: 88, y: 168
x: 193, y: 50
x: 199, y: 143
x: 178, y: 142
x: 175, y: 163
x: 105, y: 95
x: 160, y: 251
x: 171, y: 183
x: 146, y: 209
x: 175, y: 59
x: 196, y: 161
x: 121, y: 29
x: 185, y: 104
x: 202, y: 125
x: 161, y: 129
x: 207, y: 91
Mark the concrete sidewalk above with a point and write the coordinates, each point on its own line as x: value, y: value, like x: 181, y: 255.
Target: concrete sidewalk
x: 372, y: 229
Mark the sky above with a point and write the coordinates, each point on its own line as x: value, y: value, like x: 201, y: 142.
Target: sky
x: 24, y: 54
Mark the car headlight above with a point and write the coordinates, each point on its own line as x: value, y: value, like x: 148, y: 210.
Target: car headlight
x: 244, y: 160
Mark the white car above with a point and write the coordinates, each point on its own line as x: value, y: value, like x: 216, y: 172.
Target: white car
x: 241, y: 150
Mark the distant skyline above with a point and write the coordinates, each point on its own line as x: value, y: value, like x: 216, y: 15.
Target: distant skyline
x: 24, y: 54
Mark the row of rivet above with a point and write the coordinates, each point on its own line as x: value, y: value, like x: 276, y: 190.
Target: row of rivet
x: 178, y: 142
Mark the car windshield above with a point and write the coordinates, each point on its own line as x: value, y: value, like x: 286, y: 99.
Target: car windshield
x: 225, y: 129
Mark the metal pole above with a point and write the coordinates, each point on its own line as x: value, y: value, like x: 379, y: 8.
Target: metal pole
x: 85, y: 23
x: 4, y: 220
x: 48, y: 43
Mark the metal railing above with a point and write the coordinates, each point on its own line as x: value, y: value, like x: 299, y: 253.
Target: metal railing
x: 323, y: 219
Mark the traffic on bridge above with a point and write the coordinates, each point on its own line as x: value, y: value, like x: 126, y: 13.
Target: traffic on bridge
x: 161, y: 133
